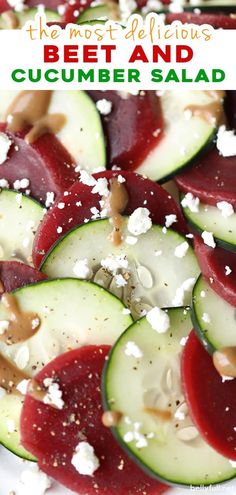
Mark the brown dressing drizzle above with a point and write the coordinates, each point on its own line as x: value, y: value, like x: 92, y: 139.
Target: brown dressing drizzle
x: 211, y: 112
x: 111, y: 418
x: 162, y: 414
x: 118, y: 200
x: 22, y: 325
x: 30, y: 108
x: 11, y: 19
x: 225, y: 361
x: 10, y: 376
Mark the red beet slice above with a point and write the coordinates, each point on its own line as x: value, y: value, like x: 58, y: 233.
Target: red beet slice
x: 14, y: 274
x: 52, y: 434
x: 214, y: 264
x: 46, y: 163
x: 141, y: 191
x: 212, y: 402
x: 133, y: 127
x: 217, y: 20
x: 213, y: 179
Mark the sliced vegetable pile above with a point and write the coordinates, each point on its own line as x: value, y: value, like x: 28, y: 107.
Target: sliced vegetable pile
x: 106, y: 267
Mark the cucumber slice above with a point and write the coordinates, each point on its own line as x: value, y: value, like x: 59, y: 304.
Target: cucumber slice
x: 210, y: 218
x: 10, y: 410
x: 154, y: 273
x: 153, y: 382
x: 82, y: 134
x: 213, y: 318
x: 184, y: 139
x: 28, y: 15
x: 96, y: 13
x: 20, y: 217
x: 72, y: 313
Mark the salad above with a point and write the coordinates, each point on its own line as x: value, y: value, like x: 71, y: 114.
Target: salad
x: 117, y: 281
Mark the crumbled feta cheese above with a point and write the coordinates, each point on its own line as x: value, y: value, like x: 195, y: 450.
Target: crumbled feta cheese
x: 181, y: 249
x: 22, y: 357
x: 208, y: 239
x: 23, y: 386
x: 50, y: 198
x: 186, y: 286
x: 206, y: 318
x: 131, y: 349
x: 4, y: 184
x: 104, y: 106
x: 84, y: 459
x: 139, y: 221
x: 54, y: 394
x: 10, y: 425
x: 101, y: 187
x: 226, y: 142
x: 176, y: 7
x: 4, y: 324
x: 21, y: 184
x: 126, y: 8
x: 126, y: 311
x: 59, y: 230
x: 225, y: 208
x: 228, y: 270
x: 61, y: 205
x: 120, y: 280
x: 5, y: 144
x: 61, y: 9
x: 190, y: 202
x: 33, y: 481
x: 152, y: 6
x: 121, y: 179
x: 169, y: 220
x: 183, y: 340
x: 82, y: 270
x: 158, y: 319
x: 113, y: 263
x: 128, y: 437
x: 87, y: 179
x: 131, y: 240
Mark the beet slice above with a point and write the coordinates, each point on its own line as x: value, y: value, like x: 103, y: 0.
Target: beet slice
x: 46, y: 163
x: 52, y: 434
x: 213, y: 179
x: 214, y: 264
x: 14, y: 274
x: 217, y: 20
x: 141, y: 191
x: 133, y: 128
x: 211, y: 401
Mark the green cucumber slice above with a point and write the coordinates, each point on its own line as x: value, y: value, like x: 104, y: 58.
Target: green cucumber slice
x: 154, y: 272
x: 28, y: 15
x: 210, y: 219
x: 213, y: 317
x: 184, y: 139
x: 162, y: 448
x: 72, y: 313
x: 82, y: 134
x: 20, y: 217
x: 99, y: 12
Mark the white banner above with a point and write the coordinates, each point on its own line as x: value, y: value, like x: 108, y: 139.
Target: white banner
x: 144, y: 55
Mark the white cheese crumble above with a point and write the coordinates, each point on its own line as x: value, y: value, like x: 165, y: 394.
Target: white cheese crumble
x: 131, y: 240
x: 169, y: 220
x: 61, y: 9
x: 50, y: 198
x: 5, y: 144
x: 120, y: 280
x: 139, y: 221
x: 206, y: 318
x: 132, y: 350
x: 126, y: 311
x: 82, y: 270
x: 208, y: 239
x: 121, y: 179
x: 130, y: 436
x: 59, y: 230
x: 104, y: 106
x: 23, y: 386
x: 84, y: 459
x: 54, y: 394
x: 158, y: 319
x: 86, y: 178
x: 226, y: 142
x: 21, y: 184
x: 33, y: 481
x: 101, y: 187
x: 189, y: 201
x: 181, y: 249
x: 228, y: 270
x: 4, y: 324
x: 186, y: 286
x: 113, y: 263
x: 225, y: 208
x: 61, y: 205
x: 4, y: 184
x: 126, y: 8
